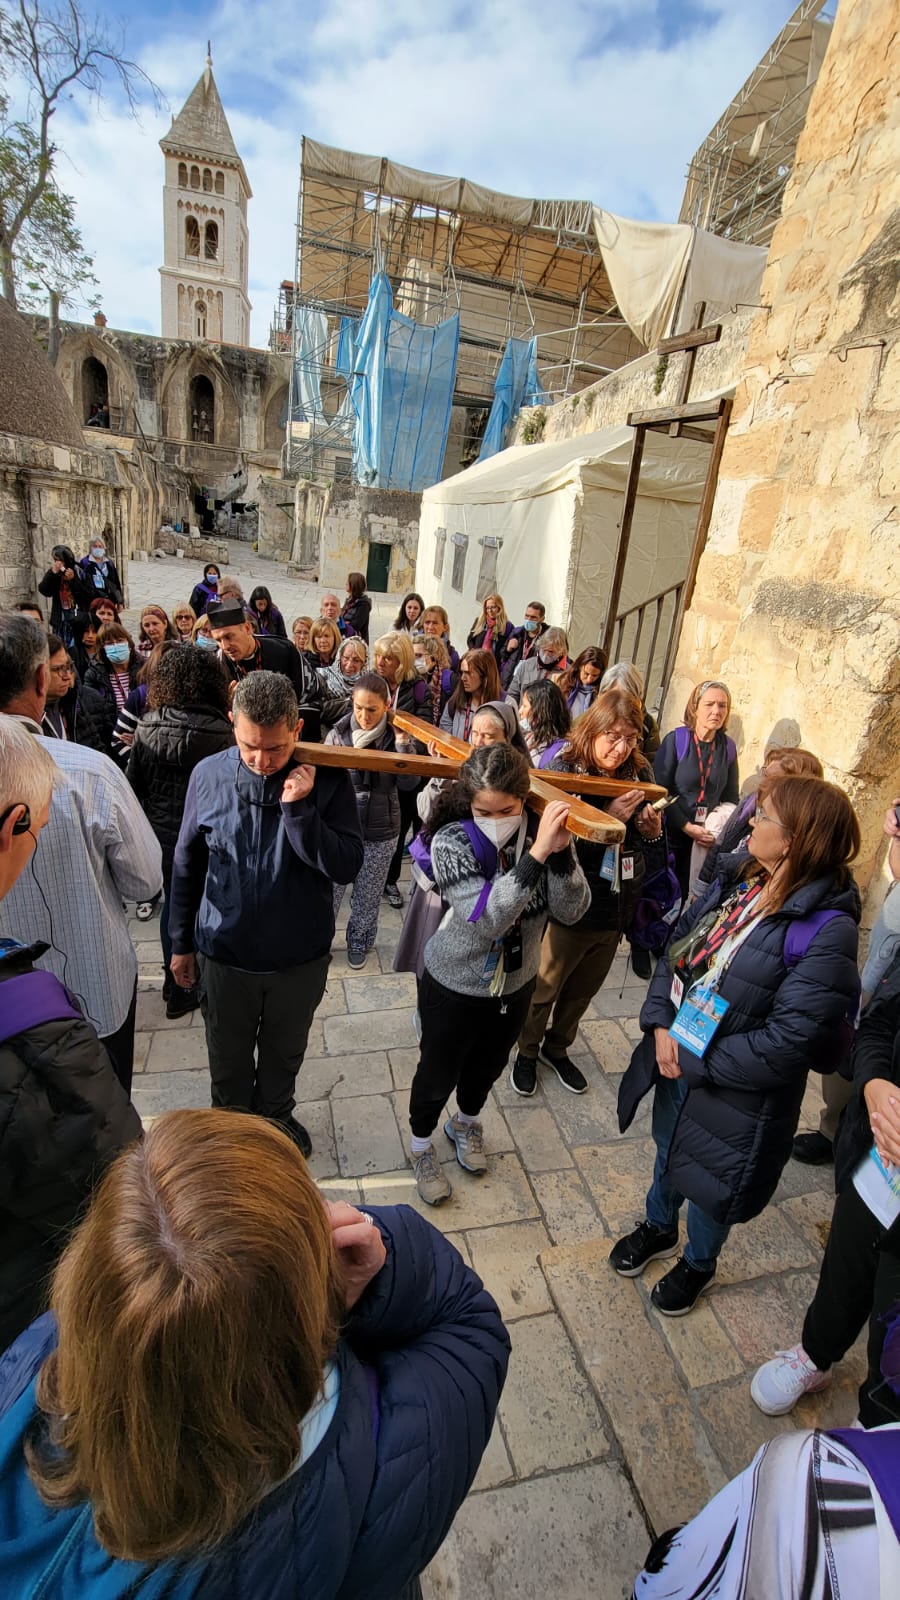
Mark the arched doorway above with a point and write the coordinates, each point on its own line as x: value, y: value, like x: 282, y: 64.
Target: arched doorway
x: 276, y: 419
x: 94, y: 389
x: 203, y: 411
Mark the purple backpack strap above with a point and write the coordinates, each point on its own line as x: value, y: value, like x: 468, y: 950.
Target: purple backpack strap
x: 878, y: 1451
x: 550, y: 754
x: 801, y: 933
x: 30, y: 1000
x: 682, y: 741
x: 486, y: 856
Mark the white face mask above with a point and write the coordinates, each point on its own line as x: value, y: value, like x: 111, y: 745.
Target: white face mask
x: 498, y: 829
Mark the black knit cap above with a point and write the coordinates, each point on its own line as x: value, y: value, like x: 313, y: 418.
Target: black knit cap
x: 226, y: 615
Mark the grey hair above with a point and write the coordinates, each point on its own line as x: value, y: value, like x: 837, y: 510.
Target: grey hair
x: 27, y: 771
x: 23, y: 648
x: 266, y: 698
x: 623, y: 675
x: 553, y: 638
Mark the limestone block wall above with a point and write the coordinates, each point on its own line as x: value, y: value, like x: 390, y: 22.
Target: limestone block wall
x: 797, y: 601
x: 357, y: 517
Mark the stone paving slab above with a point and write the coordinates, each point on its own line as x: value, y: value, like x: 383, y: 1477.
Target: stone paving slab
x: 369, y: 1030
x: 337, y: 1077
x: 549, y: 1412
x: 502, y: 1195
x: 367, y: 1136
x: 506, y: 1257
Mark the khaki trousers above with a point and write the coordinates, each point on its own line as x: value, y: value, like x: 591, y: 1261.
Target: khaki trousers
x: 836, y: 1093
x: 574, y: 963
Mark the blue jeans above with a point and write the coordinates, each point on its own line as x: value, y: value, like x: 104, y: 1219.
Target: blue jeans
x: 705, y: 1236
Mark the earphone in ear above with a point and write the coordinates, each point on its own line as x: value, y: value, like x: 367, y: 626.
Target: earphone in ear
x: 22, y: 824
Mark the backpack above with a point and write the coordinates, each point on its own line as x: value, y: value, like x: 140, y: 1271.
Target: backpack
x: 797, y: 941
x: 30, y: 1000
x: 660, y: 903
x: 683, y: 744
x: 485, y: 854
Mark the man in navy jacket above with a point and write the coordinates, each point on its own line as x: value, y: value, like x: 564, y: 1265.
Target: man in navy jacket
x: 262, y: 840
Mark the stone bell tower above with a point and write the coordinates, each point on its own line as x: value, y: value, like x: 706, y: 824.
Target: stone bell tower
x: 206, y: 242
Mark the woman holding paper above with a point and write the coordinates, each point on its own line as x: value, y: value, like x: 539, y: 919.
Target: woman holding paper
x: 753, y: 990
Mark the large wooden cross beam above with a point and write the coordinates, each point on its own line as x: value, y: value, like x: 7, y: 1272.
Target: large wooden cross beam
x: 583, y: 821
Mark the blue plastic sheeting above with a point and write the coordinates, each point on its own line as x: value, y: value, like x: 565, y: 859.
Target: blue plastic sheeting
x: 402, y: 392
x: 346, y: 349
x: 517, y: 384
x: 311, y: 329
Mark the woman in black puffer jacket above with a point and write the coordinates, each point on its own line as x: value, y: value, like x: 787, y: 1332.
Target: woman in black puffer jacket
x: 775, y: 938
x: 187, y: 720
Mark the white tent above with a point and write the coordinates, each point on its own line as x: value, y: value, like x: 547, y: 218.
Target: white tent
x: 541, y: 522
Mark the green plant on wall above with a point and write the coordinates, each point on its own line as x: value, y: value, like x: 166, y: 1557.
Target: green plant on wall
x: 533, y: 426
x: 659, y: 375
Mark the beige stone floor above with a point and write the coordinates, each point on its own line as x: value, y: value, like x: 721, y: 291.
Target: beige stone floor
x: 614, y: 1421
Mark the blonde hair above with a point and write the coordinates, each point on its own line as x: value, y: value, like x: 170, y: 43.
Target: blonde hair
x: 433, y: 646
x: 399, y: 645
x: 323, y: 625
x: 197, y: 1306
x: 199, y: 626
x: 482, y: 620
x: 696, y: 695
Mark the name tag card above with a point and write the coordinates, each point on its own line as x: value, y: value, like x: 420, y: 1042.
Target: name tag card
x: 698, y: 1020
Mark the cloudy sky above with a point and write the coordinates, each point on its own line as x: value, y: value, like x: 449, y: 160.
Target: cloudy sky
x: 587, y: 99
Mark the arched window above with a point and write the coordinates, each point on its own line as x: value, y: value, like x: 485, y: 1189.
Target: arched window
x: 207, y: 180
x: 94, y: 388
x: 220, y: 183
x: 202, y: 411
x: 191, y: 236
x: 200, y: 319
x: 182, y: 175
x: 211, y: 241
x: 195, y: 177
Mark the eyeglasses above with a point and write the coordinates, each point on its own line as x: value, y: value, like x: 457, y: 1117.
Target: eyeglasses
x: 629, y: 740
x: 68, y: 671
x: 763, y: 816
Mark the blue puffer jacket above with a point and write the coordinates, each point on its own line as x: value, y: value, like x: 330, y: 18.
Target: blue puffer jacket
x: 422, y: 1364
x: 733, y: 1136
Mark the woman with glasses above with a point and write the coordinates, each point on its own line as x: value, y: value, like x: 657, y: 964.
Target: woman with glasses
x: 575, y: 959
x: 60, y: 710
x: 755, y: 988
x: 698, y: 763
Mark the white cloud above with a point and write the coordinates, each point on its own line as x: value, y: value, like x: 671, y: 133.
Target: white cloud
x: 514, y: 94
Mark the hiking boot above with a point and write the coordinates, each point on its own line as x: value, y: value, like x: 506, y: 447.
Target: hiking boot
x: 181, y: 1001
x: 641, y: 962
x: 431, y: 1181
x: 778, y: 1384
x: 631, y: 1255
x: 355, y: 956
x: 568, y: 1074
x: 678, y: 1292
x: 393, y: 896
x: 813, y: 1149
x: 468, y: 1137
x: 523, y: 1075
x: 168, y: 984
x: 296, y: 1131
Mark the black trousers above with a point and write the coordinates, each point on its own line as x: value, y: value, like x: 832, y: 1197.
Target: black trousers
x: 466, y: 1040
x: 120, y: 1046
x: 257, y: 1025
x: 409, y: 816
x: 859, y: 1281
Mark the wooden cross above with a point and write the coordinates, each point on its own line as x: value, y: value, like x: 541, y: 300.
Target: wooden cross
x: 688, y: 344
x: 583, y: 821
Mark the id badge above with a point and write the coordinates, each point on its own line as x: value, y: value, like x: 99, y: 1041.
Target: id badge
x: 701, y: 813
x: 627, y: 867
x: 491, y: 963
x: 609, y: 868
x: 676, y: 993
x: 698, y: 1020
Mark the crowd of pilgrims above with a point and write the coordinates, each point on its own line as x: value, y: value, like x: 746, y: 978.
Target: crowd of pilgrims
x: 737, y: 907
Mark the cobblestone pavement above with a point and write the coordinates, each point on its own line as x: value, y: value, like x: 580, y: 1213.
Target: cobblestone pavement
x: 615, y: 1422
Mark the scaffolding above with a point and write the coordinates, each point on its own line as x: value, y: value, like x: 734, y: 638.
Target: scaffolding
x: 736, y: 181
x: 509, y: 267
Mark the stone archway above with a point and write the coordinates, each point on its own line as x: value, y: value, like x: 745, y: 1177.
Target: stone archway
x: 202, y: 410
x: 276, y: 419
x: 94, y: 387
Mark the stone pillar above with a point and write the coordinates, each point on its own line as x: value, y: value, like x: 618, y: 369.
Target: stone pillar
x: 797, y: 601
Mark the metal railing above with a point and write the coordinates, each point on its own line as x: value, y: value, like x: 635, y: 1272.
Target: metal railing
x: 653, y: 644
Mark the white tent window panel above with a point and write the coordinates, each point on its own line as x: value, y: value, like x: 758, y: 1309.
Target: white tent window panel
x: 440, y: 541
x: 460, y: 546
x: 487, y: 572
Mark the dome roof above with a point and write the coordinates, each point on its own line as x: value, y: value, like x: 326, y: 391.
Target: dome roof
x: 32, y: 398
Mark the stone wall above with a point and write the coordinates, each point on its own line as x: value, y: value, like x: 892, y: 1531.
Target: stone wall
x: 797, y: 601
x: 356, y: 517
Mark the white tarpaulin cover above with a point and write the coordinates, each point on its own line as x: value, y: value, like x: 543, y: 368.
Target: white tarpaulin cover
x: 660, y: 271
x: 556, y: 509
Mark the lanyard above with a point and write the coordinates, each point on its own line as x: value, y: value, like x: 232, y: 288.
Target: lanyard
x: 726, y: 937
x: 467, y: 721
x: 704, y: 770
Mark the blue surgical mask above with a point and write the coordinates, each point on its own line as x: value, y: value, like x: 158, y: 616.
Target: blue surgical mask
x: 212, y: 579
x: 99, y: 554
x: 524, y: 725
x: 117, y: 653
x: 548, y: 661
x: 530, y: 625
x: 204, y: 641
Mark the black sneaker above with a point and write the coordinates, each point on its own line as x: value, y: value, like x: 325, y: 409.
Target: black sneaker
x: 678, y: 1292
x: 181, y: 1001
x: 393, y: 896
x: 631, y: 1255
x: 813, y: 1149
x: 568, y: 1074
x: 523, y: 1076
x: 296, y: 1131
x: 168, y: 984
x: 356, y: 957
x: 641, y: 962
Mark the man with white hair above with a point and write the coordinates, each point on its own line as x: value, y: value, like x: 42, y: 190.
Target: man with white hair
x: 330, y: 609
x: 548, y: 659
x: 97, y: 850
x: 63, y: 1114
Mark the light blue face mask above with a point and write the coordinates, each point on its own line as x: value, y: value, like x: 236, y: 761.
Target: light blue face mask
x: 116, y: 653
x: 99, y: 554
x: 530, y: 625
x: 205, y: 642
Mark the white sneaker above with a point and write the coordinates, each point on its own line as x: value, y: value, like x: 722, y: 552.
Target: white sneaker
x: 780, y: 1383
